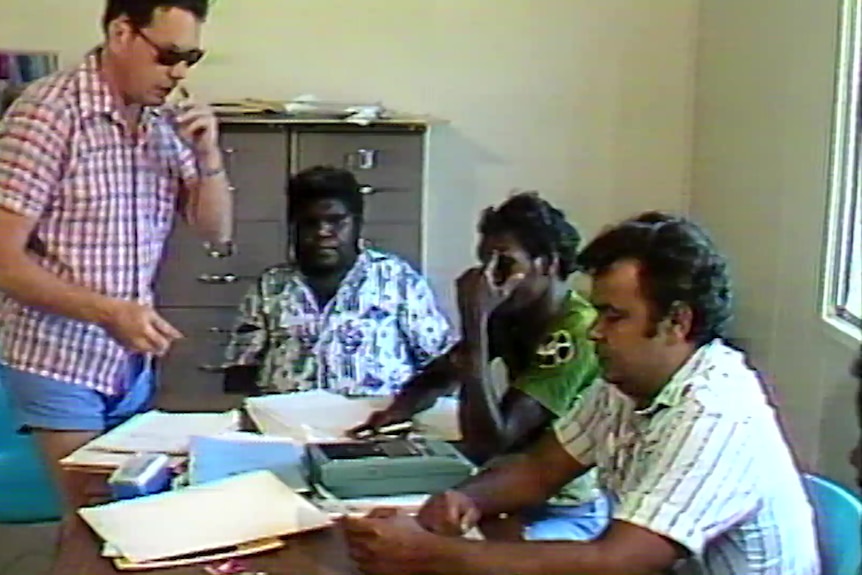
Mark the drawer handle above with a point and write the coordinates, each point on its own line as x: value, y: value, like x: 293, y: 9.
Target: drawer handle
x: 367, y: 190
x: 217, y: 329
x: 218, y: 279
x: 361, y: 159
x: 229, y: 151
x: 210, y: 368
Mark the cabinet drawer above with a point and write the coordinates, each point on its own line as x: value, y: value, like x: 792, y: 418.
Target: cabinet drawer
x: 188, y: 378
x: 256, y: 159
x: 392, y: 204
x: 401, y: 239
x: 190, y: 277
x: 377, y: 159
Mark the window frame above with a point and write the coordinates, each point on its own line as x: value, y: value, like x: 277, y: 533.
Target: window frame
x: 845, y: 185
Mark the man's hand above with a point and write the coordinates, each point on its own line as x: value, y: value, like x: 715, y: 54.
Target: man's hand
x: 478, y: 292
x: 198, y: 126
x: 140, y: 328
x: 376, y: 421
x: 388, y: 542
x: 450, y: 513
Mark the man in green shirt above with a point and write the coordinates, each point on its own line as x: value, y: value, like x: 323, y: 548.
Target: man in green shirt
x: 517, y: 306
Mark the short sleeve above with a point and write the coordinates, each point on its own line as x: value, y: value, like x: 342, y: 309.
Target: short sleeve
x: 695, y: 479
x: 428, y: 331
x: 578, y: 431
x: 564, y: 366
x: 34, y: 147
x: 248, y: 339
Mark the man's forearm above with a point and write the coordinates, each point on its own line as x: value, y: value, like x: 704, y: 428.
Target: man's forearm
x: 508, y: 488
x: 482, y: 423
x: 421, y: 392
x: 25, y: 281
x: 209, y: 209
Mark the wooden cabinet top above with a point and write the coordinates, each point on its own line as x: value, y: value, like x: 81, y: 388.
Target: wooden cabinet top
x: 413, y: 123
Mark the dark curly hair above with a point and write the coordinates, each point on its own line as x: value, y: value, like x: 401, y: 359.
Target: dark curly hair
x: 324, y: 183
x: 140, y: 12
x: 679, y: 263
x: 539, y: 227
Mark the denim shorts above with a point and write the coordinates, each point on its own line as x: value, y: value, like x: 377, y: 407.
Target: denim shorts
x: 43, y: 403
x: 582, y: 522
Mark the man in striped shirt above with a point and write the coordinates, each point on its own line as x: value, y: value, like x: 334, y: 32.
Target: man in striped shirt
x: 93, y: 167
x: 678, y: 428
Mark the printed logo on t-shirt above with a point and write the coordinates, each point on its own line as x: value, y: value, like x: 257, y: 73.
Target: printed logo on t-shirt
x: 559, y: 348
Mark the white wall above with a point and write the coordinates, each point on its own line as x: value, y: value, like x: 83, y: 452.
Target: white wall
x: 590, y: 102
x: 765, y: 77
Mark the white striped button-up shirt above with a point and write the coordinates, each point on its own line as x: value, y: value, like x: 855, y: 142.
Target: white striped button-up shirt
x: 103, y: 200
x: 704, y: 465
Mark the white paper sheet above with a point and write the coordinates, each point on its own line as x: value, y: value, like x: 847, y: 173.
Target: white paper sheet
x: 221, y: 514
x: 162, y: 432
x: 323, y: 416
x: 96, y: 461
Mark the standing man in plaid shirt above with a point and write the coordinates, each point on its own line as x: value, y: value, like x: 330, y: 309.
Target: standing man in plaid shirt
x: 93, y: 167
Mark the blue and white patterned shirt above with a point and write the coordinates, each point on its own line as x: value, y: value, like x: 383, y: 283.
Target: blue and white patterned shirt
x: 380, y: 329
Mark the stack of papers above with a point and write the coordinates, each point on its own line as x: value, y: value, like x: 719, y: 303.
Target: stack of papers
x: 409, y: 503
x: 154, y: 431
x: 315, y: 416
x: 221, y: 456
x: 236, y: 513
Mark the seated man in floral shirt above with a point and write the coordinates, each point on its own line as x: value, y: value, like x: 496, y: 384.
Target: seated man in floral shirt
x: 338, y: 317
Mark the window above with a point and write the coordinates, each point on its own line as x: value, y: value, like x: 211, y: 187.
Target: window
x: 843, y: 269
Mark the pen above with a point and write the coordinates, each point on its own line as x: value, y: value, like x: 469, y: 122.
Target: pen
x: 390, y: 429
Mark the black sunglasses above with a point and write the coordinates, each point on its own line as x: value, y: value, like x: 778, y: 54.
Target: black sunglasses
x: 170, y: 56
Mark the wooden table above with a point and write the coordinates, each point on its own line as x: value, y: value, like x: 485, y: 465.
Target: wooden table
x: 322, y: 552
x: 319, y: 553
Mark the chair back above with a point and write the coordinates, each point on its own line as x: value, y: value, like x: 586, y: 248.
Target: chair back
x: 27, y: 494
x: 838, y: 512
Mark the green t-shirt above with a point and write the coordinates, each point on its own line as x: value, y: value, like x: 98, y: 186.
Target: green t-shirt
x: 563, y: 368
x: 565, y: 364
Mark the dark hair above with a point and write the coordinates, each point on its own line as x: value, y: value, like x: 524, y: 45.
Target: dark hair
x: 679, y: 263
x: 140, y: 12
x: 539, y: 227
x: 324, y: 183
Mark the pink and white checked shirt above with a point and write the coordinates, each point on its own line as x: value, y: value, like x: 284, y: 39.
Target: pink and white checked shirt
x: 104, y: 201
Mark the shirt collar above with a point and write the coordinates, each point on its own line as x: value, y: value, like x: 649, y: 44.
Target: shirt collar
x: 96, y: 97
x: 676, y: 389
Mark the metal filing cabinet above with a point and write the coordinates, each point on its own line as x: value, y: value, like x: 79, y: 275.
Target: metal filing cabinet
x: 198, y: 293
x: 388, y: 166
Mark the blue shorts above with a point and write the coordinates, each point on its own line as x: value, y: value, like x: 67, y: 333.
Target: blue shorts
x: 583, y: 522
x: 44, y: 403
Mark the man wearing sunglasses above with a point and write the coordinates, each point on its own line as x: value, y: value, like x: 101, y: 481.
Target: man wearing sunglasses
x: 93, y: 166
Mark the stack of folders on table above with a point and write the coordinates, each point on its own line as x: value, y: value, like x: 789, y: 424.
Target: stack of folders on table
x: 151, y: 432
x: 240, y: 515
x: 216, y: 457
x: 317, y: 416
